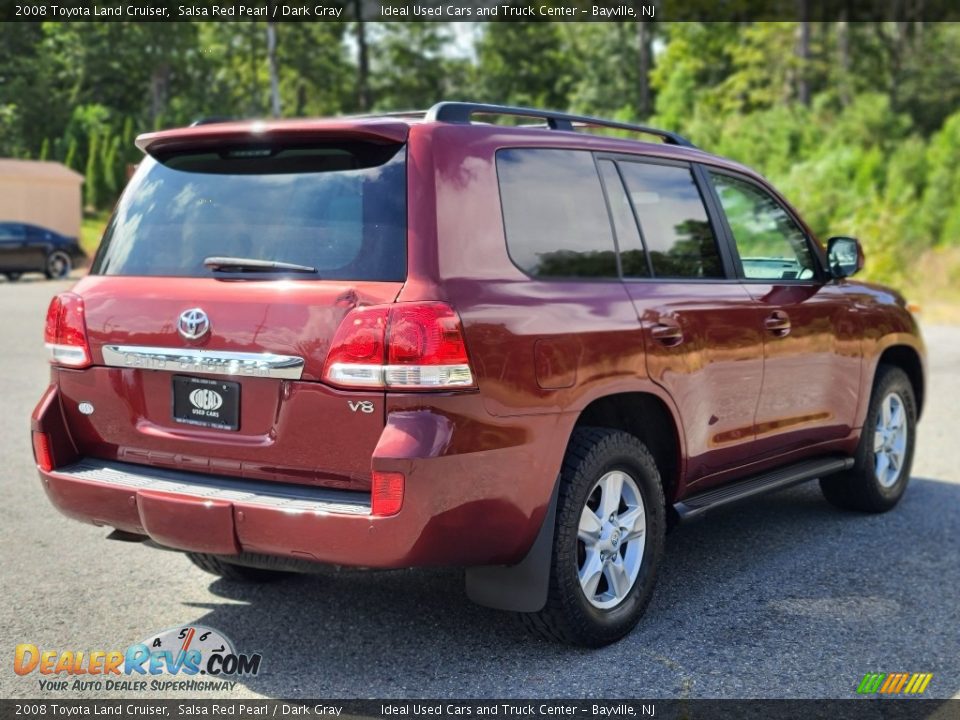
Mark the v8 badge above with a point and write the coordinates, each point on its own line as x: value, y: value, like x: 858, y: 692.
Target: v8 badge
x: 364, y: 406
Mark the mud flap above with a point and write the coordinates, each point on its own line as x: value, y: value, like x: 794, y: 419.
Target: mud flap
x: 522, y: 587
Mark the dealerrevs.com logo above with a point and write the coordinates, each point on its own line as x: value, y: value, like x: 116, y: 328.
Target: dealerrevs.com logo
x: 190, y: 658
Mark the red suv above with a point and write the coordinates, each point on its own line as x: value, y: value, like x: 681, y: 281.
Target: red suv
x: 523, y: 349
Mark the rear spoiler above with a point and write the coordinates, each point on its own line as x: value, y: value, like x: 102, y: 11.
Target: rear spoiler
x: 384, y: 131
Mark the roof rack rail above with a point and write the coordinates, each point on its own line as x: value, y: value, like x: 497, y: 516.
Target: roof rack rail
x: 392, y: 114
x: 400, y: 114
x: 462, y: 112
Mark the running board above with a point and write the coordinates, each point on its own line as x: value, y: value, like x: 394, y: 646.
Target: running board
x: 697, y: 505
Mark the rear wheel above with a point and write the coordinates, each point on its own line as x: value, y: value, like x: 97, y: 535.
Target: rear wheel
x: 881, y: 471
x: 608, y: 540
x: 217, y: 565
x: 14, y: 276
x: 58, y: 265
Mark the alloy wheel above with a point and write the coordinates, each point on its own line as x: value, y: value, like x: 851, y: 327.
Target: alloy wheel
x: 610, y: 540
x: 890, y: 440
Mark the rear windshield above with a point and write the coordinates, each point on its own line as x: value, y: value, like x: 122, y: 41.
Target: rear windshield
x: 340, y: 209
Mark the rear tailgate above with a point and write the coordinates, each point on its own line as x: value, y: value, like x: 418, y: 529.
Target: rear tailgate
x: 207, y: 369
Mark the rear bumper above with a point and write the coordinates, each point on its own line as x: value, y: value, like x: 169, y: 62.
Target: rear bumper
x: 224, y: 516
x: 472, y: 503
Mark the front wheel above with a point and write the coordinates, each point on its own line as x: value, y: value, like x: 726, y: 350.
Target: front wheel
x: 881, y: 469
x: 608, y: 540
x: 58, y: 265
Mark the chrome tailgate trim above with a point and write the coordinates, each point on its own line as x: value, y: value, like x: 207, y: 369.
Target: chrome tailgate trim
x: 281, y: 496
x: 211, y: 362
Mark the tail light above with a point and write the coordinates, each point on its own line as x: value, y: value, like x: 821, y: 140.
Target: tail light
x: 386, y: 493
x: 65, y: 334
x: 406, y: 346
x: 41, y: 451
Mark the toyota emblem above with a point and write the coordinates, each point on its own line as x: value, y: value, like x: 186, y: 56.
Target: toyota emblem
x: 193, y: 324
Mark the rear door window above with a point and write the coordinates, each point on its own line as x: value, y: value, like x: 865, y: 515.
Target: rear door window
x: 633, y: 256
x: 339, y: 208
x: 674, y: 223
x: 554, y: 214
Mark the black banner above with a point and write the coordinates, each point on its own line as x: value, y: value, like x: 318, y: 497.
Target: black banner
x: 478, y: 10
x: 857, y: 709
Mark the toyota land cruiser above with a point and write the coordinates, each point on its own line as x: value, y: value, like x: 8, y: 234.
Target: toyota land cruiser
x: 514, y: 346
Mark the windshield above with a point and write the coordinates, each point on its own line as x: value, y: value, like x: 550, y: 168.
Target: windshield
x: 339, y: 209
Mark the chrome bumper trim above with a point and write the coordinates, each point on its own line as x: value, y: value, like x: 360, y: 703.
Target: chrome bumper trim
x: 211, y: 362
x: 280, y: 496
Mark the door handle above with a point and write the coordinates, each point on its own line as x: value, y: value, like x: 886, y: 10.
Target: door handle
x: 778, y: 323
x: 668, y: 334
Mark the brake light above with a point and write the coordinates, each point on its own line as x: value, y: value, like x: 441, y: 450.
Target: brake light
x: 65, y: 334
x: 406, y: 346
x: 358, y: 349
x: 41, y: 451
x: 386, y: 493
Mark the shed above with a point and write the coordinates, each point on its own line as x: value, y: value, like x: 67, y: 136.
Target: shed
x: 42, y: 193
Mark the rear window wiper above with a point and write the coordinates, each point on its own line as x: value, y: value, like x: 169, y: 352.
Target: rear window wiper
x: 237, y: 264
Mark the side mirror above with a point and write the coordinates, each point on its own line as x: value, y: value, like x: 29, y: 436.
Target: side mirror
x: 845, y: 256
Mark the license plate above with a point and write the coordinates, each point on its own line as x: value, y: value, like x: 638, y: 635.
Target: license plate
x: 208, y: 403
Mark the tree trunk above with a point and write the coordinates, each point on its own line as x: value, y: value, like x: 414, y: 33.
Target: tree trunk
x: 273, y: 70
x: 898, y: 58
x: 803, y: 53
x: 644, y: 41
x: 843, y: 50
x: 301, y: 99
x: 254, y: 101
x: 363, y: 59
x: 159, y: 92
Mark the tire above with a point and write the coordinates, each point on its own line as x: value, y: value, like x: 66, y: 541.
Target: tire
x: 58, y: 265
x: 216, y: 565
x: 873, y: 485
x: 14, y: 276
x: 593, y: 460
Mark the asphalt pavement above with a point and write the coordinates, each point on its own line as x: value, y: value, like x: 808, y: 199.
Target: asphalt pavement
x: 781, y: 597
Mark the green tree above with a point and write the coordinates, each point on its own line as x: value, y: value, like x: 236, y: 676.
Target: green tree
x: 941, y: 199
x: 927, y: 87
x: 112, y: 168
x: 524, y: 63
x: 32, y: 104
x: 696, y: 57
x: 73, y: 152
x: 316, y: 76
x: 764, y: 72
x: 410, y: 69
x: 93, y: 178
x: 605, y: 58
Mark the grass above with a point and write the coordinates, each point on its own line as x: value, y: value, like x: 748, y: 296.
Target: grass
x: 934, y: 285
x: 91, y: 230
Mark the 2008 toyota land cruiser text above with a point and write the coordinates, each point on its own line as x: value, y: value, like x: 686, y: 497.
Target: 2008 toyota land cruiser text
x: 522, y: 349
